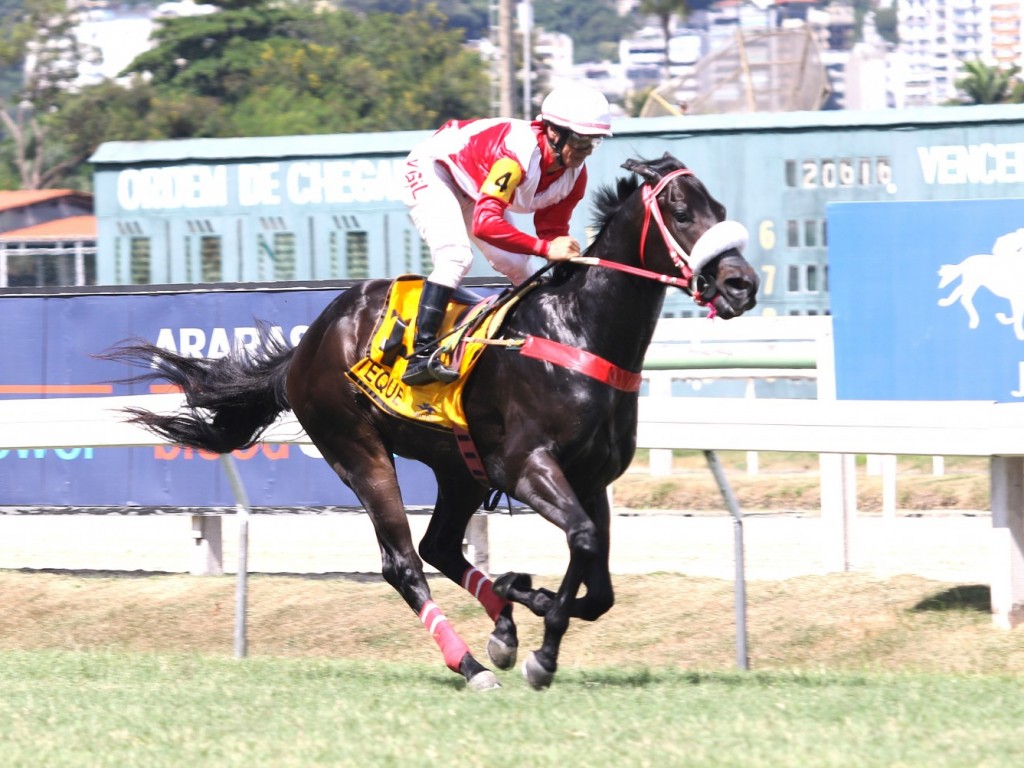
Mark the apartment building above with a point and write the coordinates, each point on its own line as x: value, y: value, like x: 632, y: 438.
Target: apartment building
x: 938, y: 36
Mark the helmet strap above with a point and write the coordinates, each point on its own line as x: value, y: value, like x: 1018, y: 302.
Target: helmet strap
x: 563, y: 137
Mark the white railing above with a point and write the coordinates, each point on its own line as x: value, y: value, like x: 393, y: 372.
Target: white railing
x: 841, y: 429
x: 832, y: 428
x: 695, y: 351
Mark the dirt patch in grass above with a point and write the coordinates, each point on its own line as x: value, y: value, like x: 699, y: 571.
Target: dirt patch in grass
x: 839, y: 621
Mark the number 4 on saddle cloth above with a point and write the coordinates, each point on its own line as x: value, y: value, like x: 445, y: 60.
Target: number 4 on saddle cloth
x: 466, y: 329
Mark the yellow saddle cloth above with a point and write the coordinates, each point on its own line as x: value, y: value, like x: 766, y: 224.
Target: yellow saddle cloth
x: 379, y: 373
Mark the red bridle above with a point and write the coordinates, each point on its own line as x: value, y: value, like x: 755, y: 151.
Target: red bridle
x: 679, y: 256
x: 652, y: 210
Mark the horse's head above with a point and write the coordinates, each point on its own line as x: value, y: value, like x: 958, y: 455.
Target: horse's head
x: 685, y: 232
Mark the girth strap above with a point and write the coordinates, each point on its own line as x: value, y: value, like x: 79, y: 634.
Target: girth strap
x: 581, y: 361
x: 470, y: 455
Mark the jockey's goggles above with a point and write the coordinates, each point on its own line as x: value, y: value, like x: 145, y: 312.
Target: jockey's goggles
x: 583, y: 143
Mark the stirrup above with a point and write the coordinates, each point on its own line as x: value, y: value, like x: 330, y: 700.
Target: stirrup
x: 439, y: 370
x: 424, y: 369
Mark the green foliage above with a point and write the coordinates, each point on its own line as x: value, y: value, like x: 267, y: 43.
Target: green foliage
x: 263, y: 69
x: 212, y: 55
x: 887, y: 24
x: 287, y: 69
x: 471, y: 16
x: 43, y: 31
x: 375, y: 73
x: 594, y: 26
x: 47, y: 27
x: 983, y: 84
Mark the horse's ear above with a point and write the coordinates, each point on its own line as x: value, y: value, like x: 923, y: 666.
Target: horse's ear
x: 648, y: 174
x: 675, y: 162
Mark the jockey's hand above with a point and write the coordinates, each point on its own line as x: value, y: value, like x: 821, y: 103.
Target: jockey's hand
x: 563, y: 248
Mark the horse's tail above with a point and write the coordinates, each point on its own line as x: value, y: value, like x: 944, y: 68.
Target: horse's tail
x: 230, y: 400
x: 948, y: 273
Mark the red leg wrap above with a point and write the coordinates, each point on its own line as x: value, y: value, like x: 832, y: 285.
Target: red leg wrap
x: 453, y: 648
x: 478, y: 585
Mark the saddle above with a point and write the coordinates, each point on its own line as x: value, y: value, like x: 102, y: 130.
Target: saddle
x: 470, y: 324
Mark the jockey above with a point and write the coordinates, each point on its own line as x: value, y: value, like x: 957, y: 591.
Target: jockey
x: 464, y: 181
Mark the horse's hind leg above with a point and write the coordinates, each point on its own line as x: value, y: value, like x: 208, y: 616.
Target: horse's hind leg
x: 375, y: 483
x: 967, y: 302
x: 457, y: 501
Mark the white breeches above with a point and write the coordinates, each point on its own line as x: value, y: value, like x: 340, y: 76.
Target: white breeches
x: 443, y: 215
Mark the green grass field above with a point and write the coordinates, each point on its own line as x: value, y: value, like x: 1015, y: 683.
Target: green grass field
x: 104, y: 709
x: 100, y: 671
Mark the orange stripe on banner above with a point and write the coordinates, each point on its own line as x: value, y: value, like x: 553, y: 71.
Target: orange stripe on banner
x: 164, y: 389
x: 56, y: 389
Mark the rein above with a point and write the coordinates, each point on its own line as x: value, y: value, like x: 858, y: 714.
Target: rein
x: 591, y: 261
x: 591, y: 365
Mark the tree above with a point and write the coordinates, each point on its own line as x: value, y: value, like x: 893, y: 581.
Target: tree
x: 471, y: 16
x: 594, y: 26
x: 664, y: 10
x: 112, y: 112
x: 288, y: 69
x: 983, y: 84
x: 305, y: 72
x: 213, y: 54
x: 374, y: 73
x: 38, y: 39
x: 887, y: 24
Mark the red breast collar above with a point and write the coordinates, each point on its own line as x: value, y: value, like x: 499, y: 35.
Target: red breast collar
x: 581, y: 361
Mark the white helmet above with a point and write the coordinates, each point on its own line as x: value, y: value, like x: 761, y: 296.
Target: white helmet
x: 579, y: 108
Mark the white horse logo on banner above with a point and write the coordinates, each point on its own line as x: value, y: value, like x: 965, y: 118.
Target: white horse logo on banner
x: 1001, y: 272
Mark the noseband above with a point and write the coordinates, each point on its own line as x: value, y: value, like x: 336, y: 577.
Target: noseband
x: 721, y: 237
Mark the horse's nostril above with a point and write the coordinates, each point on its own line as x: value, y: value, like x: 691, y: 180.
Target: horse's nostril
x: 740, y: 285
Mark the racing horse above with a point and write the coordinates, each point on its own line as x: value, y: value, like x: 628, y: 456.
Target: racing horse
x: 552, y: 429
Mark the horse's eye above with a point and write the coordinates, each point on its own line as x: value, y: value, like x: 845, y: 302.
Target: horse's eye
x: 682, y: 215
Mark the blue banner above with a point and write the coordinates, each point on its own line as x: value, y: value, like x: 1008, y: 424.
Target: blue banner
x: 928, y: 299
x: 49, y: 348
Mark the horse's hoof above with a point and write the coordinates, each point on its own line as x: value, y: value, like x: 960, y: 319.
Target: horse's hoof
x: 502, y: 654
x: 509, y: 581
x: 483, y: 681
x: 536, y: 675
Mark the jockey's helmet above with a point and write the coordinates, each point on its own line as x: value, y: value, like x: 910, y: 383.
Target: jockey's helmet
x: 580, y: 108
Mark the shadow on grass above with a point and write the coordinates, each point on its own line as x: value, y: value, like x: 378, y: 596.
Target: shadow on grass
x: 649, y: 677
x: 969, y: 597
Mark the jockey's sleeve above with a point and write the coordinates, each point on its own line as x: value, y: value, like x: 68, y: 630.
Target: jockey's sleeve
x: 553, y: 221
x: 489, y: 223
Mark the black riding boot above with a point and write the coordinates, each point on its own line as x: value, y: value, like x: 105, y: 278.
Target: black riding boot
x: 429, y: 316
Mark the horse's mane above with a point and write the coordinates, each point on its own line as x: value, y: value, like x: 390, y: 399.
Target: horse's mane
x: 609, y: 199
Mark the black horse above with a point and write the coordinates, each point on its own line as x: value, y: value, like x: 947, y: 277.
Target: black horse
x: 552, y: 430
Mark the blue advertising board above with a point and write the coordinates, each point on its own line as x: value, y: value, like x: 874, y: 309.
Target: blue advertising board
x: 49, y: 348
x: 928, y: 299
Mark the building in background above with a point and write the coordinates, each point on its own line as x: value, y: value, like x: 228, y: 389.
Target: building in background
x: 47, y: 237
x: 938, y: 36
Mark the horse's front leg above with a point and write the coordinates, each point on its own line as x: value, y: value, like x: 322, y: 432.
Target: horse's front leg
x: 518, y: 587
x: 544, y: 487
x: 599, y: 597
